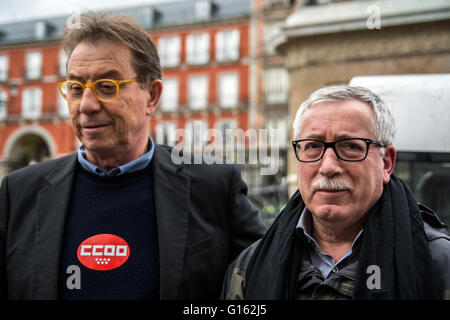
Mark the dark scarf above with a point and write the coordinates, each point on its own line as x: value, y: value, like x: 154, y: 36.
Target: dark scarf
x: 393, y: 239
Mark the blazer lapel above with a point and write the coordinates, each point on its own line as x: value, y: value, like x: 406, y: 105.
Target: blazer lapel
x: 53, y: 201
x: 171, y: 198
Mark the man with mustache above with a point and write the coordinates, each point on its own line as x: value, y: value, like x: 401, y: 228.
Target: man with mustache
x: 353, y: 230
x: 118, y: 219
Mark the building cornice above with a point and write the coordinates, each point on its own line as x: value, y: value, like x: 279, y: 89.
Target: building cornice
x: 354, y: 16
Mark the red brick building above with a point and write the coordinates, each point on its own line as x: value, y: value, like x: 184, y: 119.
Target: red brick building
x: 33, y: 118
x: 204, y: 49
x: 205, y: 76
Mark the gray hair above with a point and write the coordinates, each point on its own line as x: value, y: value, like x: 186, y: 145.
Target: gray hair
x: 384, y: 126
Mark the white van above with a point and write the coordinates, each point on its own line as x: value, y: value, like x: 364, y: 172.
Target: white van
x: 420, y: 105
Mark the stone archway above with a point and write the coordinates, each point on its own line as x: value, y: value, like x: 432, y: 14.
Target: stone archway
x: 28, y: 145
x: 28, y: 149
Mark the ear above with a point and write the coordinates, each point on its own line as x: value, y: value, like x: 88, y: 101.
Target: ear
x: 154, y: 94
x: 390, y: 155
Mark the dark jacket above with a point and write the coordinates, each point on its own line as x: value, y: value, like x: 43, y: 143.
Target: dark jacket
x: 204, y: 220
x: 340, y: 285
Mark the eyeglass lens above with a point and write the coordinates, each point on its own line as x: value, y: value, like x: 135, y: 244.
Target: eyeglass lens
x: 351, y: 149
x: 105, y: 89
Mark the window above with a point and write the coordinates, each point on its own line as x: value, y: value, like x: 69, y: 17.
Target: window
x: 165, y: 133
x: 31, y: 103
x: 227, y: 45
x: 198, y: 92
x: 276, y: 85
x: 169, y: 98
x: 195, y: 132
x: 279, y: 124
x: 169, y: 51
x: 3, y: 103
x: 41, y: 30
x: 224, y: 125
x: 197, y: 48
x: 203, y: 9
x: 271, y: 30
x: 228, y: 90
x: 4, y: 67
x: 33, y: 65
x: 62, y: 63
x: 227, y: 129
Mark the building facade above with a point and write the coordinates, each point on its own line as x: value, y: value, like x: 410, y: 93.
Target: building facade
x: 335, y: 42
x: 205, y: 64
x: 34, y: 122
x: 269, y: 93
x: 204, y: 49
x: 220, y: 72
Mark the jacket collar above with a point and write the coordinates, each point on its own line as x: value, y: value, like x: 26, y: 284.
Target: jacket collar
x: 52, y: 208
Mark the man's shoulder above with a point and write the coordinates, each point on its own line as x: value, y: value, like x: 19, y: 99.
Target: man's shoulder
x: 244, y: 257
x: 438, y: 237
x: 436, y: 231
x: 438, y: 241
x: 193, y: 162
x: 43, y: 169
x: 234, y: 283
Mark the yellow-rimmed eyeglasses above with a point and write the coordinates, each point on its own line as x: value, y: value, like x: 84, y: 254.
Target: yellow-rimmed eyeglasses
x: 104, y: 89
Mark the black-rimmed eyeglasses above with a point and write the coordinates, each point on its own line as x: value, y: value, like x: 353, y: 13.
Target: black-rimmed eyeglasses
x: 346, y: 149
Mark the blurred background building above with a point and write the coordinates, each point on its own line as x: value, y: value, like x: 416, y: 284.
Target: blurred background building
x: 248, y: 64
x: 337, y: 42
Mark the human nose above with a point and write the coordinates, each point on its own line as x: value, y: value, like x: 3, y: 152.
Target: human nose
x: 89, y: 102
x: 330, y: 164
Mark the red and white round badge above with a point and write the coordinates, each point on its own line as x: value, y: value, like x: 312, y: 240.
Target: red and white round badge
x: 103, y: 252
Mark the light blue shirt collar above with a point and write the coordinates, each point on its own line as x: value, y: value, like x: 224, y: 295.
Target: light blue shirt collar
x: 322, y: 261
x: 135, y: 165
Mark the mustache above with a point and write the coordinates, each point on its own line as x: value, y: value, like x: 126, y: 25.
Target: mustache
x: 331, y: 184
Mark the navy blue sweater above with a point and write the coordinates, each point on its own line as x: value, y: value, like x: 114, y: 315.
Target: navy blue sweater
x: 122, y: 206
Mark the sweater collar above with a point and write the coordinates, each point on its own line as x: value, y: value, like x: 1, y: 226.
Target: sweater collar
x: 135, y: 165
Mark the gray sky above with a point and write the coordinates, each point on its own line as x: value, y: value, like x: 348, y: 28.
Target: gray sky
x: 16, y: 10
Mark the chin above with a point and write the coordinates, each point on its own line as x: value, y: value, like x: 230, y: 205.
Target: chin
x: 331, y: 213
x: 99, y: 146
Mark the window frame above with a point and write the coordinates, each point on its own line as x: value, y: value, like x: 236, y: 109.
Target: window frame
x: 193, y: 90
x: 195, y: 54
x: 36, y: 111
x: 33, y: 72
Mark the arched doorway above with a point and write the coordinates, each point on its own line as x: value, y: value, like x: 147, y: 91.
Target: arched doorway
x: 28, y: 149
x: 25, y: 146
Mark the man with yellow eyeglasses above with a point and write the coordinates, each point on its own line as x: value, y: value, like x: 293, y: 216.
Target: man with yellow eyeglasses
x: 118, y: 219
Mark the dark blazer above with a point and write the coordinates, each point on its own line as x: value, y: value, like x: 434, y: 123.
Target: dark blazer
x: 204, y: 220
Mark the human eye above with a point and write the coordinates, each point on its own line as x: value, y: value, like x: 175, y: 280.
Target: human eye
x: 107, y: 87
x: 311, y: 145
x: 74, y: 88
x: 107, y: 84
x: 353, y: 145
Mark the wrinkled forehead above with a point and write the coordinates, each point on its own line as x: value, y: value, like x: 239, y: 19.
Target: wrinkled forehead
x: 100, y: 59
x: 347, y: 116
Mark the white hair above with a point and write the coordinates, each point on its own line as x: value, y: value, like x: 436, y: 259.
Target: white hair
x: 384, y: 126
